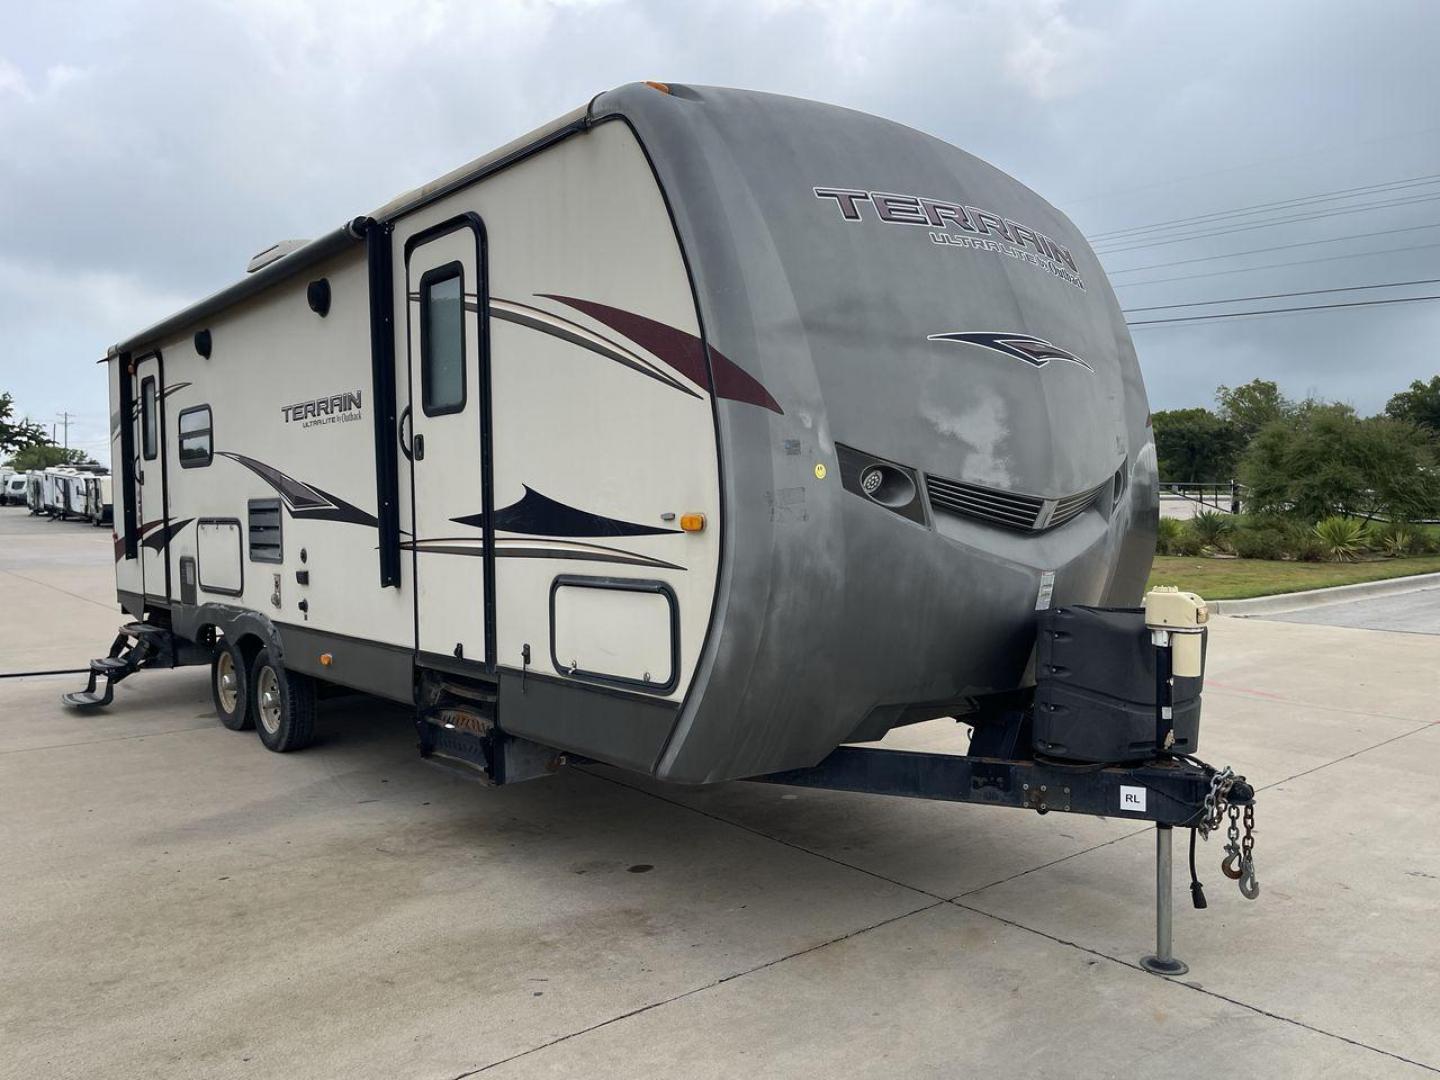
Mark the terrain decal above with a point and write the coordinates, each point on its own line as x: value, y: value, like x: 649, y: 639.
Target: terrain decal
x: 540, y: 515
x: 684, y: 352
x: 301, y: 499
x: 516, y: 548
x: 959, y: 226
x: 1037, y: 352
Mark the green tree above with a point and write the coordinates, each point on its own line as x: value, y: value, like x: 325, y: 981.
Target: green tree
x: 1420, y: 405
x: 17, y: 434
x: 1250, y: 407
x: 43, y: 456
x: 1323, y: 460
x: 1195, y: 446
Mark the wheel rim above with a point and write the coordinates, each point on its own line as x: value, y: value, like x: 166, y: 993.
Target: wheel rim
x: 227, y: 683
x: 267, y: 687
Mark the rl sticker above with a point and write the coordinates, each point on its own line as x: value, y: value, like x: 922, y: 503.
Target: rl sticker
x: 1132, y: 799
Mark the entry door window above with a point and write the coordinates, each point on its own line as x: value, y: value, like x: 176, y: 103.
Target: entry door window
x: 147, y: 419
x: 442, y: 340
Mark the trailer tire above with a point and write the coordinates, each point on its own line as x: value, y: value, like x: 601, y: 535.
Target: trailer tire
x: 230, y: 687
x: 284, y: 705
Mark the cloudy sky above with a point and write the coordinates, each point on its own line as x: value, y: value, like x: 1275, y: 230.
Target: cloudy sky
x: 149, y: 149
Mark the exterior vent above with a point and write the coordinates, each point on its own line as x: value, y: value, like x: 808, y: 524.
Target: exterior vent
x: 1073, y: 506
x: 274, y: 253
x: 264, y: 531
x: 997, y: 507
x: 1029, y: 513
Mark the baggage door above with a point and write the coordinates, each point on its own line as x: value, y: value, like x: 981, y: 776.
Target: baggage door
x: 444, y: 431
x: 150, y: 509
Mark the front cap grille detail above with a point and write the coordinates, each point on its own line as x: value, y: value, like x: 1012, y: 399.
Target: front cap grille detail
x: 1028, y: 513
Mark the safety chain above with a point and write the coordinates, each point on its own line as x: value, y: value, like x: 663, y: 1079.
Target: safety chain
x: 1239, y: 862
x: 1220, y: 784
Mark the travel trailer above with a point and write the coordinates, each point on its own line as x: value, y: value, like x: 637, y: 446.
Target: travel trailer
x: 96, y: 504
x: 13, y: 490
x: 698, y: 432
x: 35, y: 492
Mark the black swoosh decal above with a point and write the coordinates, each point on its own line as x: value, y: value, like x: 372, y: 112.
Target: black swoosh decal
x: 301, y: 499
x: 514, y: 548
x: 1037, y: 352
x: 161, y: 537
x: 539, y: 515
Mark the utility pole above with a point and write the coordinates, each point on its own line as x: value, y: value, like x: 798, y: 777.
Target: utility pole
x: 65, y: 419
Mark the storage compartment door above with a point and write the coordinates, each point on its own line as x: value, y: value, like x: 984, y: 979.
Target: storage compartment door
x: 218, y: 552
x: 615, y: 630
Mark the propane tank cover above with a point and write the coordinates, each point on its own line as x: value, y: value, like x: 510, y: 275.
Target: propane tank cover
x: 1167, y: 608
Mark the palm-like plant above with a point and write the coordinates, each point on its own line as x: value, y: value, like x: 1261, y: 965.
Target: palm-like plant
x: 1212, y: 528
x: 1342, y: 538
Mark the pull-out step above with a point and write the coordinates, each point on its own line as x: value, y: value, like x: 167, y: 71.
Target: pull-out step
x: 138, y: 645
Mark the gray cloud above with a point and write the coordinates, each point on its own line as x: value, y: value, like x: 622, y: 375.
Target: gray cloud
x: 151, y: 149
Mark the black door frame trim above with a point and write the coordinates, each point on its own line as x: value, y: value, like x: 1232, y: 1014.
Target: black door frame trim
x: 380, y: 263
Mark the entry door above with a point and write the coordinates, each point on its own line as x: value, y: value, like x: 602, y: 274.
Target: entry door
x: 444, y: 433
x: 150, y: 516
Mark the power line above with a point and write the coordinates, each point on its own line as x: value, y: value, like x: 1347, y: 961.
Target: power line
x: 1253, y: 225
x: 1282, y: 311
x: 1273, y: 266
x: 1282, y: 295
x: 1349, y: 144
x: 1260, y: 208
x: 1277, y: 247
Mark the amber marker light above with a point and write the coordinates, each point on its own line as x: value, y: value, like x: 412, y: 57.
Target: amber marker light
x: 657, y: 86
x: 326, y: 659
x: 692, y: 522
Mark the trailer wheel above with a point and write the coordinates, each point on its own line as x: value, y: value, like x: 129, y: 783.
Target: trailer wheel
x: 230, y: 688
x: 284, y: 705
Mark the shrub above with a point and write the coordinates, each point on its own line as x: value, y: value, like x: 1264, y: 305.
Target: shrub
x: 1305, y: 546
x: 1212, y: 528
x: 1342, y: 538
x: 1186, y: 543
x: 1167, y: 535
x: 1259, y: 543
x: 1395, y: 538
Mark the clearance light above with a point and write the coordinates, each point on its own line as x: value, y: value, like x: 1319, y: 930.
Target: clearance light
x: 326, y: 659
x: 657, y: 86
x: 692, y: 522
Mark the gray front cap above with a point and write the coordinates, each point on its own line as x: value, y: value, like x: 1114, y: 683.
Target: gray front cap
x: 832, y: 609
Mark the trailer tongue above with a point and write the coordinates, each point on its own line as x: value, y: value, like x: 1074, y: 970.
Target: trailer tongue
x: 1103, y: 770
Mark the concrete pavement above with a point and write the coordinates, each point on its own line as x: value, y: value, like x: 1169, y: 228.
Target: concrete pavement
x: 1414, y: 612
x: 180, y: 902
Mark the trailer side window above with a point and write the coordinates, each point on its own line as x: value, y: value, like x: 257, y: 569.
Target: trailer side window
x: 147, y: 419
x: 442, y: 340
x: 195, y: 449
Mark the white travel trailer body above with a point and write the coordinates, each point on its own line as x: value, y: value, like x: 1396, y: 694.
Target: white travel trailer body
x: 637, y: 440
x: 16, y: 485
x: 96, y: 503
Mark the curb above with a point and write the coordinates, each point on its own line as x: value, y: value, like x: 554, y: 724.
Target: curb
x: 1336, y: 594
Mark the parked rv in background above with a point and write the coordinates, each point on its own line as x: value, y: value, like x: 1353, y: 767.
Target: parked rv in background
x: 13, y: 488
x: 64, y: 492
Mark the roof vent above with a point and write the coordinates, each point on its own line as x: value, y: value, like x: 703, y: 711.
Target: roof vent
x: 274, y: 253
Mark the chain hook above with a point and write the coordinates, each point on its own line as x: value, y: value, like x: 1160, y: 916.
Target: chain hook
x: 1249, y: 887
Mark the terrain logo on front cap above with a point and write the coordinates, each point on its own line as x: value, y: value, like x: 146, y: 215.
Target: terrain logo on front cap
x: 1037, y: 352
